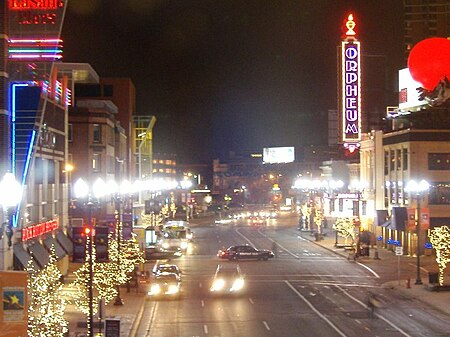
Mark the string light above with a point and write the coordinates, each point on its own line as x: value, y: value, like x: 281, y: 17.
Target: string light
x: 440, y: 239
x: 345, y: 228
x: 47, y: 305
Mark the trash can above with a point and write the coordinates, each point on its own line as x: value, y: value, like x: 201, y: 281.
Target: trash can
x: 433, y: 278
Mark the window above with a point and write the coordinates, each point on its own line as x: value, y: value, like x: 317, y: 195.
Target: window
x: 96, y: 162
x: 69, y: 136
x: 97, y: 134
x: 392, y: 160
x: 439, y: 161
x: 405, y: 159
x: 398, y: 159
x: 386, y: 163
x: 439, y: 193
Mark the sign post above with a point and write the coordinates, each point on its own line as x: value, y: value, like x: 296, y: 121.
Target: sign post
x: 398, y: 252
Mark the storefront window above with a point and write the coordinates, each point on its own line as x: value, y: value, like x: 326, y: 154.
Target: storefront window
x: 439, y: 193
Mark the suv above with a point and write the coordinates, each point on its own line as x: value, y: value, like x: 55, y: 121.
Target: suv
x: 245, y: 252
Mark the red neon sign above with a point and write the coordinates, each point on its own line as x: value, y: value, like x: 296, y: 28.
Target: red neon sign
x: 39, y: 229
x: 35, y: 4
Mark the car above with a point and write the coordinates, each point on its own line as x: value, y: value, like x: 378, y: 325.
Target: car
x: 227, y: 280
x: 165, y: 285
x: 245, y: 252
x: 166, y: 268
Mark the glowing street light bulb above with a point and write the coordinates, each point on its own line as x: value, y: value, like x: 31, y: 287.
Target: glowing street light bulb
x: 80, y: 188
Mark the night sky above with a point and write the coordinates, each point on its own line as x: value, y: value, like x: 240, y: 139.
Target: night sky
x: 222, y: 75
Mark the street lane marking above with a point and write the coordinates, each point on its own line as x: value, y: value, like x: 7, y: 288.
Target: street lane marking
x: 203, y: 303
x: 404, y: 333
x: 251, y: 301
x: 369, y: 269
x: 205, y: 329
x: 279, y: 245
x: 315, y: 310
x: 266, y: 325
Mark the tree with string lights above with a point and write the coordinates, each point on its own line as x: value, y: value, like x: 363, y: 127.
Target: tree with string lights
x: 440, y: 239
x: 107, y: 275
x: 47, y: 306
x: 318, y: 219
x: 345, y: 228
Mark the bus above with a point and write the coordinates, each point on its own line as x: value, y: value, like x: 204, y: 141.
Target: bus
x: 176, y: 234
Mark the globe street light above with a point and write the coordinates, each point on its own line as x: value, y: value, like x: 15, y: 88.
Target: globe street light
x: 417, y: 189
x: 81, y: 191
x: 10, y: 196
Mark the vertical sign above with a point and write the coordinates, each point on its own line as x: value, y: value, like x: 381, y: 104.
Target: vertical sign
x: 351, y: 86
x: 411, y: 219
x: 425, y: 218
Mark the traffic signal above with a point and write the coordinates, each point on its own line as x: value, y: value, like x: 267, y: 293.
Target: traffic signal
x: 79, y: 243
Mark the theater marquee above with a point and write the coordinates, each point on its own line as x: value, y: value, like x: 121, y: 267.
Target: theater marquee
x: 351, y: 87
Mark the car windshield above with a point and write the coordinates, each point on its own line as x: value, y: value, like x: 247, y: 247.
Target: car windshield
x: 170, y: 269
x: 167, y: 278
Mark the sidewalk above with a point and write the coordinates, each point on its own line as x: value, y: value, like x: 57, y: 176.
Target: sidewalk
x: 440, y: 300
x: 129, y: 313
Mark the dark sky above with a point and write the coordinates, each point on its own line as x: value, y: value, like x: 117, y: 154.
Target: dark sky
x: 223, y: 75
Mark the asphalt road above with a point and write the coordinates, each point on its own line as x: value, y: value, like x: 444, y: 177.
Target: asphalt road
x: 306, y: 291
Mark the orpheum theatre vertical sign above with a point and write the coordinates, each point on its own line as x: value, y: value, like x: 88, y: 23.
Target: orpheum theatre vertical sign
x: 351, y: 87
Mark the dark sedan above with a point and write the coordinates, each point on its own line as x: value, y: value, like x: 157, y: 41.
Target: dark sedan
x: 244, y: 252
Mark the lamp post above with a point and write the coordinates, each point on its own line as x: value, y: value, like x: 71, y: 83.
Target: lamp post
x: 417, y: 189
x: 81, y: 190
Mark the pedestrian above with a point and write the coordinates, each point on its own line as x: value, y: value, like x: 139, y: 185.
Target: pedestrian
x: 275, y: 249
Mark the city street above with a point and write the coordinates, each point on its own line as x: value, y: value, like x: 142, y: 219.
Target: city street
x: 306, y: 291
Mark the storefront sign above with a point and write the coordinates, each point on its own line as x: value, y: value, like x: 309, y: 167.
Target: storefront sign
x: 39, y: 229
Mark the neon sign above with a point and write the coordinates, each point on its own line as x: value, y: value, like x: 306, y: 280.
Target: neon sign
x: 35, y: 4
x: 39, y: 229
x: 36, y: 12
x: 351, y: 87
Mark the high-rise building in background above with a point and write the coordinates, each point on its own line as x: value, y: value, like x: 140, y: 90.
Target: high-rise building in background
x: 424, y: 19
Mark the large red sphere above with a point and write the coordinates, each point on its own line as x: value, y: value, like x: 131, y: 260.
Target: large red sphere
x: 429, y: 61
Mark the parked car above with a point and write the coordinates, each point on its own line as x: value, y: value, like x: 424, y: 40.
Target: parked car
x: 245, y: 252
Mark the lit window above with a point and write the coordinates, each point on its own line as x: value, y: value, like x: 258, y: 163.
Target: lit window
x: 96, y: 162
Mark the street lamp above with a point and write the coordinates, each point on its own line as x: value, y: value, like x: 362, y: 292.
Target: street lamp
x: 417, y: 189
x: 10, y: 196
x: 81, y: 190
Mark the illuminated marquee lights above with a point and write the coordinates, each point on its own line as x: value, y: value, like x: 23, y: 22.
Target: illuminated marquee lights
x: 34, y: 49
x: 35, y: 4
x: 351, y: 88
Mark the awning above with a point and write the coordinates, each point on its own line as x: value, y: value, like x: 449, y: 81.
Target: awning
x: 50, y: 241
x: 23, y: 257
x: 65, y: 242
x: 39, y: 253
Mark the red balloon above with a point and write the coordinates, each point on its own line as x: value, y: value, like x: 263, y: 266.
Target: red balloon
x: 429, y: 61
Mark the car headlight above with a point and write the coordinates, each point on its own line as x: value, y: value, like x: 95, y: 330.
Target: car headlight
x: 238, y: 284
x: 218, y: 285
x: 184, y: 245
x: 166, y: 245
x: 173, y: 289
x: 155, y: 289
